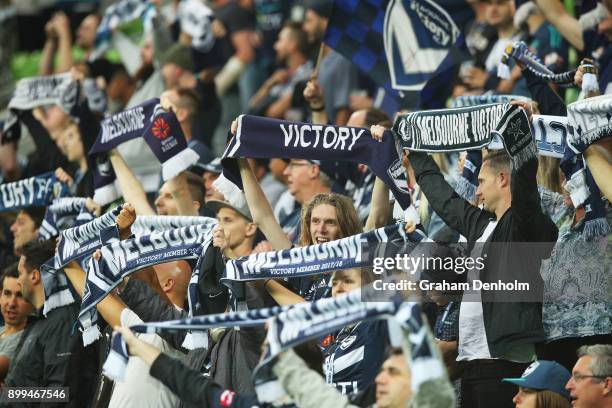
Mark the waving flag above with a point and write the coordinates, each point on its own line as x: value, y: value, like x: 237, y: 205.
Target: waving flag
x: 401, y: 44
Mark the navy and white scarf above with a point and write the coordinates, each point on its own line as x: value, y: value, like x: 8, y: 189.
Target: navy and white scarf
x: 444, y: 130
x: 34, y: 191
x: 472, y: 100
x: 307, y: 321
x: 583, y: 191
x: 520, y: 51
x: 514, y: 130
x: 56, y: 286
x: 590, y: 120
x: 122, y: 258
x: 146, y: 224
x: 196, y: 20
x: 116, y: 362
x: 160, y: 130
x: 258, y: 137
x: 61, y: 214
x: 38, y: 91
x: 121, y: 12
x: 78, y: 242
x: 315, y: 259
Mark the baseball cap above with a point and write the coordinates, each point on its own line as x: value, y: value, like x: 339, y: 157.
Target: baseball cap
x: 216, y: 205
x: 213, y: 166
x: 180, y: 55
x: 544, y: 375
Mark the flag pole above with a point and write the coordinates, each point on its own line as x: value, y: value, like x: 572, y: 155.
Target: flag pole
x: 315, y: 71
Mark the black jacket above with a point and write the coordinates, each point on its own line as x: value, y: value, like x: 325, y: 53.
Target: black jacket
x: 195, y: 389
x: 507, y: 324
x: 52, y: 355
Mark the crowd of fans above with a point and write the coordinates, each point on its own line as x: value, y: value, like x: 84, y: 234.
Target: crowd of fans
x: 269, y: 59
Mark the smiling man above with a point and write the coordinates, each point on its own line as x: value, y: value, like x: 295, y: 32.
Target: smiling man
x: 304, y: 180
x: 591, y: 383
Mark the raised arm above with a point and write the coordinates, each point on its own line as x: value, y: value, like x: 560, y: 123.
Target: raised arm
x: 110, y: 307
x: 45, y: 66
x: 314, y: 96
x: 260, y: 208
x: 64, y: 43
x: 380, y: 206
x: 131, y: 188
x: 568, y: 26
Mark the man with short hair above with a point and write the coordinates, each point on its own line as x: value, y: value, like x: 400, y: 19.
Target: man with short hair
x: 274, y: 97
x: 237, y: 227
x: 26, y: 225
x: 490, y: 350
x: 52, y: 355
x: 209, y: 172
x: 499, y: 14
x: 15, y: 310
x: 393, y: 385
x: 591, y: 383
x: 185, y: 103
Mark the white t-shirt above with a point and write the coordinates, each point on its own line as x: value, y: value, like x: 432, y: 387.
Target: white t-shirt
x: 473, y: 343
x: 140, y: 389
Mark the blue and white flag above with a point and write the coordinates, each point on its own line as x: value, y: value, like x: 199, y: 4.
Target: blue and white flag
x: 121, y: 12
x: 161, y: 131
x: 196, y: 20
x: 34, y: 191
x: 401, y: 44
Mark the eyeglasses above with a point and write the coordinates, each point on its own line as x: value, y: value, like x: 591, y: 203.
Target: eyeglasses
x: 296, y: 164
x: 580, y: 377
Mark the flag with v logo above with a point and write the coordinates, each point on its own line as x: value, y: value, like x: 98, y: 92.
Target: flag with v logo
x: 411, y: 48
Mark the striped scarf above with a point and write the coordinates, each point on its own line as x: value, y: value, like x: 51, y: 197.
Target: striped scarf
x: 62, y: 214
x: 520, y: 52
x: 122, y: 258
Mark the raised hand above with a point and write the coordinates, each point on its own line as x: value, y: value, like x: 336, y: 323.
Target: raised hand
x: 125, y: 219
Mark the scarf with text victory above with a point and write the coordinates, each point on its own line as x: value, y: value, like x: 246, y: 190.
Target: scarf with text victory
x: 258, y: 137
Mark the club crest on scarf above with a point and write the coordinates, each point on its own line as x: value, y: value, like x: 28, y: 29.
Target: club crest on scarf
x: 417, y: 38
x: 161, y: 129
